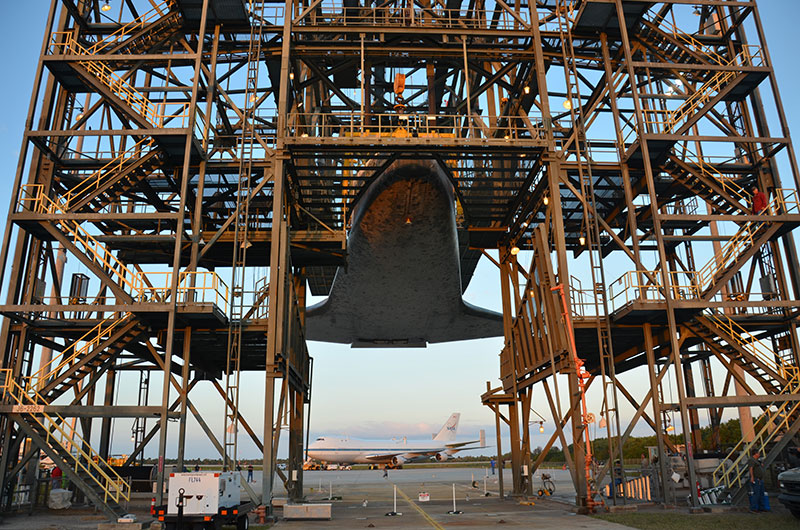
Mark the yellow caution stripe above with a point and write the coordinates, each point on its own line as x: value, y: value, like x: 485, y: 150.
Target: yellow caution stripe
x: 420, y: 510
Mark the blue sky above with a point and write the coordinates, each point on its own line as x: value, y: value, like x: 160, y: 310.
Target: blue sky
x: 360, y: 392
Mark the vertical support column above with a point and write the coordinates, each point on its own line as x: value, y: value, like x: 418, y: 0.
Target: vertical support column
x: 105, y: 426
x: 176, y: 263
x: 688, y: 374
x: 296, y: 422
x: 651, y: 369
x: 278, y: 266
x: 662, y: 254
x: 506, y: 269
x: 184, y: 397
x: 275, y: 325
x: 576, y: 421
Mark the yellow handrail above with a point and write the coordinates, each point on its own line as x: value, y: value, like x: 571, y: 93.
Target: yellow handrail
x: 750, y: 58
x: 730, y: 471
x: 41, y: 203
x: 96, y: 179
x: 158, y: 11
x: 729, y: 185
x: 751, y: 344
x: 90, y: 340
x: 154, y: 113
x: 83, y: 456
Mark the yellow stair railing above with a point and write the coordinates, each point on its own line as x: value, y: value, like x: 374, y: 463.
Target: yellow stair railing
x: 784, y: 202
x: 136, y: 24
x: 728, y: 185
x: 154, y: 113
x: 752, y: 345
x: 97, y: 179
x: 732, y: 471
x: 752, y: 53
x: 75, y: 449
x: 36, y: 200
x: 65, y: 359
x: 666, y: 121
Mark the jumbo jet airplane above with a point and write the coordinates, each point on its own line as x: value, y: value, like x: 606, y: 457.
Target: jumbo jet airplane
x: 336, y: 450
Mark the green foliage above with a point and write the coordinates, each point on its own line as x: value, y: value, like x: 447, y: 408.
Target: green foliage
x: 635, y: 446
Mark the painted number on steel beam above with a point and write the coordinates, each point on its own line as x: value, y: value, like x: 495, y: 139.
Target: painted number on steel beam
x: 28, y: 409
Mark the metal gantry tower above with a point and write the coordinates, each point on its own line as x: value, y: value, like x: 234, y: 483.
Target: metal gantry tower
x: 170, y: 145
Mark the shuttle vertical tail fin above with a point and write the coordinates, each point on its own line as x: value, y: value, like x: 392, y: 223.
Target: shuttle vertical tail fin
x: 448, y: 431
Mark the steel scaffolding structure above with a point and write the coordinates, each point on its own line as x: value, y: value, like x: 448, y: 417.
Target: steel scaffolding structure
x: 180, y: 141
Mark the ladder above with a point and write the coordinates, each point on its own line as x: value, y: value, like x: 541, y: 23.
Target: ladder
x: 246, y: 142
x: 140, y: 423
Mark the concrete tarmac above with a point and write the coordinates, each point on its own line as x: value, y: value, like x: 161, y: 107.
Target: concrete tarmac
x: 366, y: 497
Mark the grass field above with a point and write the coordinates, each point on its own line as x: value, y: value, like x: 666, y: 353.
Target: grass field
x: 680, y: 521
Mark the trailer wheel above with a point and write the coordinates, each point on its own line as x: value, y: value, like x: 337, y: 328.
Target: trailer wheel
x: 243, y: 522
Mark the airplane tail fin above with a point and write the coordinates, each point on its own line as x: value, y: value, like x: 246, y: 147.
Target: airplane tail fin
x: 448, y: 431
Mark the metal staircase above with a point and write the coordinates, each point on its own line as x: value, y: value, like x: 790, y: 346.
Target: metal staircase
x: 123, y: 281
x: 113, y: 180
x: 68, y: 449
x: 97, y: 350
x: 143, y: 33
x: 726, y: 195
x: 750, y: 237
x: 104, y: 80
x: 778, y: 375
x: 758, y: 360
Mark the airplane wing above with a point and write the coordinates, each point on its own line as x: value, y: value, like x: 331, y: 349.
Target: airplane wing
x: 381, y: 457
x: 408, y: 455
x: 462, y: 444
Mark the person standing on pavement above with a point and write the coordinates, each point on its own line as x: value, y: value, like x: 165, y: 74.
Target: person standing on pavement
x: 55, y: 476
x: 492, y: 464
x: 250, y: 472
x: 756, y: 468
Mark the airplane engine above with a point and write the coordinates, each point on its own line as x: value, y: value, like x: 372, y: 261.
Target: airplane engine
x: 441, y: 457
x: 398, y: 460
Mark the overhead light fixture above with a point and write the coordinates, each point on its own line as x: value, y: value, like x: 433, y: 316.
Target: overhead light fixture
x: 526, y: 89
x: 291, y: 76
x: 507, y: 137
x: 541, y: 426
x: 252, y: 98
x: 304, y: 135
x: 79, y: 117
x: 696, y: 11
x: 546, y: 200
x: 514, y: 250
x: 105, y: 7
x: 670, y: 428
x: 567, y: 104
x: 408, y: 220
x: 582, y: 240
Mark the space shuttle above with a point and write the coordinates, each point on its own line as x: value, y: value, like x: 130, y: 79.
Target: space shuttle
x: 402, y: 286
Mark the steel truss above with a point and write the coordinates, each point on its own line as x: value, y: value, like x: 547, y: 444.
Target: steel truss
x: 169, y: 144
